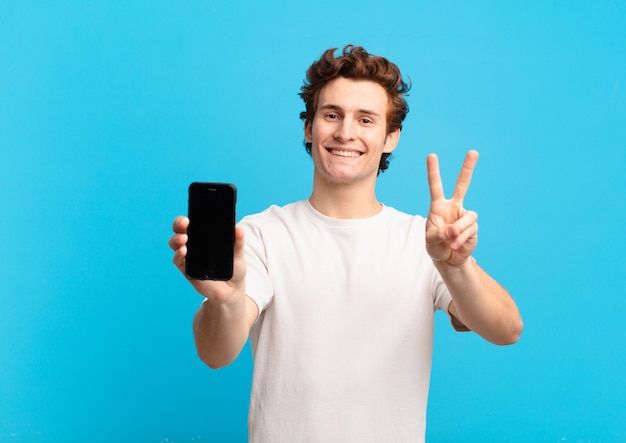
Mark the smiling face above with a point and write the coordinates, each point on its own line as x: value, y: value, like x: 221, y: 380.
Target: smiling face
x: 349, y: 131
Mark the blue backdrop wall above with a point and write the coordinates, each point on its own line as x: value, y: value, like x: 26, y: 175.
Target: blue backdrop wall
x: 109, y: 109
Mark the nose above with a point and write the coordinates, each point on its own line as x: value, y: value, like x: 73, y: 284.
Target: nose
x: 344, y: 131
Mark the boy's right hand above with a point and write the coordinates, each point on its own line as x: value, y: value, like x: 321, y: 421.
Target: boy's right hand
x: 215, y: 291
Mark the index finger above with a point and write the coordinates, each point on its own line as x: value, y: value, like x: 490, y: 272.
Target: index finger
x: 180, y: 224
x: 465, y: 176
x: 434, y: 178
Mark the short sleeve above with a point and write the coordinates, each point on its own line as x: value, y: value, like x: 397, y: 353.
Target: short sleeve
x: 443, y: 298
x: 258, y: 284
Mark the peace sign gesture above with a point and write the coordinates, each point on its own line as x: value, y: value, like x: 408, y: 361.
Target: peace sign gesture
x: 451, y: 231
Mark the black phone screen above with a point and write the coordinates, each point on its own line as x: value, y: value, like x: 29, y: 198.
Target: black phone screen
x: 211, y: 231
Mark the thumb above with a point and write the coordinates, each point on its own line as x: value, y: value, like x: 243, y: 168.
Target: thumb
x: 438, y: 235
x: 239, y: 242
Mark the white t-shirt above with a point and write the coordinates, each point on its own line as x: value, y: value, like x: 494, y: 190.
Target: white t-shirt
x: 343, y: 345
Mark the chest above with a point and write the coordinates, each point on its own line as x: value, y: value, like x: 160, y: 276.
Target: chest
x: 359, y: 272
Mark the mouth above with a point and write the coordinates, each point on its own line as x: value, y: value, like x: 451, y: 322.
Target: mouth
x: 344, y: 153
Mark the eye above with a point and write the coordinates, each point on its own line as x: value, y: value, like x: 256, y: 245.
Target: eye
x: 366, y: 120
x: 332, y: 116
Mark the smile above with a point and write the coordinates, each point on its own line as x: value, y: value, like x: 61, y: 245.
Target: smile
x: 341, y: 153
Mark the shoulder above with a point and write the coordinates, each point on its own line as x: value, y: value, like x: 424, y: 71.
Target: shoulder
x: 397, y: 217
x: 273, y: 215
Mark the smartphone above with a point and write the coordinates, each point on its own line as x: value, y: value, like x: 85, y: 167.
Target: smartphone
x: 211, y: 231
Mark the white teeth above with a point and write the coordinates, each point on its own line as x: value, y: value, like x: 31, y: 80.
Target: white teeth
x: 345, y: 153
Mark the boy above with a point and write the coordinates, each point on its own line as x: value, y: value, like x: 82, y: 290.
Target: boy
x: 337, y: 292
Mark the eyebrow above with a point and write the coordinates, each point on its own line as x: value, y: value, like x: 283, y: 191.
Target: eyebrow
x: 331, y: 107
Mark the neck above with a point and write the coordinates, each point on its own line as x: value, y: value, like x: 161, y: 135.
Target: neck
x: 345, y: 201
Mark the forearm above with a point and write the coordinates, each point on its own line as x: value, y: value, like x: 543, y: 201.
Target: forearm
x: 481, y: 303
x: 221, y: 331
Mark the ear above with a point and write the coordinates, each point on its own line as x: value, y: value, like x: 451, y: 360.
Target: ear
x: 307, y: 132
x: 391, y: 141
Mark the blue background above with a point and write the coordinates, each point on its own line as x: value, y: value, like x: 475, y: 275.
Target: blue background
x: 108, y: 109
